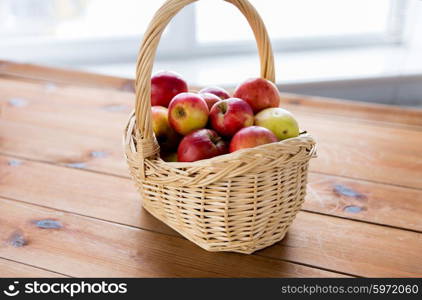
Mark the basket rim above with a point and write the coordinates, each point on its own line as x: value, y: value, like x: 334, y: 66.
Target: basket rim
x: 228, y: 156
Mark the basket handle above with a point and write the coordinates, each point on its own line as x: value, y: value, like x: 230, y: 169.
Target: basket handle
x: 148, y: 50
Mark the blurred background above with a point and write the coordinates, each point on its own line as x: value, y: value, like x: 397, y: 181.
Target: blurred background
x: 369, y: 50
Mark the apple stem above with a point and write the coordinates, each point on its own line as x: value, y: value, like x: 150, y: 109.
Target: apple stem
x: 223, y: 107
x: 214, y: 139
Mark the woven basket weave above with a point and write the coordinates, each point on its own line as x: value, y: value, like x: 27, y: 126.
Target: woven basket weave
x: 241, y: 202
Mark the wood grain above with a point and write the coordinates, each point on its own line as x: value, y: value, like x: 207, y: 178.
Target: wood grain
x: 354, y: 247
x: 62, y: 147
x: 366, y: 201
x: 11, y: 269
x: 327, y: 106
x: 74, y: 97
x: 368, y: 169
x: 353, y: 109
x: 31, y: 72
x: 347, y: 149
x: 95, y: 195
x: 346, y: 146
x: 86, y: 193
x: 85, y: 247
x: 114, y: 199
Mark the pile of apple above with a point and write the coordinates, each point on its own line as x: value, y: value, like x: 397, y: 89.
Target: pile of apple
x: 194, y: 126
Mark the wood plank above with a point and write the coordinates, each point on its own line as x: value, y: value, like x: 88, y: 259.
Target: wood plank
x: 361, y: 151
x: 114, y: 250
x: 86, y: 193
x: 74, y: 109
x: 353, y: 247
x: 62, y: 147
x: 72, y: 100
x: 346, y: 146
x: 95, y: 195
x: 84, y: 247
x: 353, y: 109
x: 27, y: 102
x: 366, y: 201
x: 114, y: 199
x: 13, y: 269
x: 329, y: 106
x: 46, y: 74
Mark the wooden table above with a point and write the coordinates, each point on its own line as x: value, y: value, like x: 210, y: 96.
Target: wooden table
x: 68, y: 207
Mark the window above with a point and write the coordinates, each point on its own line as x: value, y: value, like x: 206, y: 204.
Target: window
x: 74, y: 19
x: 288, y: 19
x: 110, y: 30
x: 303, y: 24
x: 73, y: 31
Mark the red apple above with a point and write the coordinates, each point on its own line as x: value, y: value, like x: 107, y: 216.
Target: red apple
x: 187, y: 113
x: 201, y: 144
x: 218, y: 91
x: 229, y: 116
x: 164, y: 86
x: 166, y: 136
x: 250, y: 137
x: 211, y: 99
x: 259, y: 93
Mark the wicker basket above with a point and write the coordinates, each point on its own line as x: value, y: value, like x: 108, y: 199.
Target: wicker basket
x: 241, y: 202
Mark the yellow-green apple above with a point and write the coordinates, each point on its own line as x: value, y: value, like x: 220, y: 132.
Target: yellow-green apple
x: 164, y: 86
x: 250, y: 137
x: 211, y: 99
x: 187, y: 113
x: 201, y: 144
x: 166, y: 136
x: 229, y: 116
x: 169, y: 156
x: 280, y: 121
x: 259, y: 93
x: 218, y: 91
